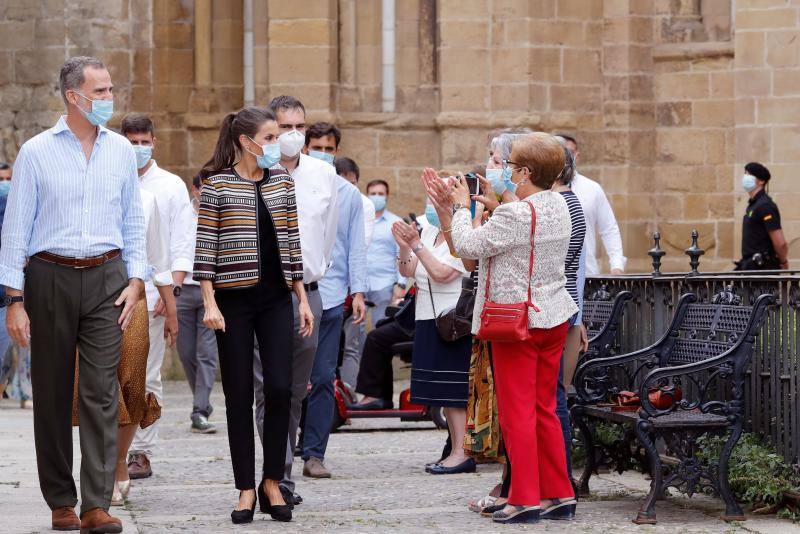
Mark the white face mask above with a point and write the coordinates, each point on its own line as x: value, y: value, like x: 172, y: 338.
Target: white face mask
x: 291, y: 143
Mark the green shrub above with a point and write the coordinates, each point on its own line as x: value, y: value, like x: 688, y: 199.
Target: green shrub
x: 757, y: 474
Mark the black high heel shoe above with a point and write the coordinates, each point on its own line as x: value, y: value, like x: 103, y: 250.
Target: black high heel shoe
x: 243, y: 516
x: 278, y: 512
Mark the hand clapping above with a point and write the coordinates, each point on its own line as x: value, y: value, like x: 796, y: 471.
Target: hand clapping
x: 405, y: 234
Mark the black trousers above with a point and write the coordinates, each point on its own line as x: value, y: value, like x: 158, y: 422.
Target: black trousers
x: 375, y: 376
x: 268, y: 315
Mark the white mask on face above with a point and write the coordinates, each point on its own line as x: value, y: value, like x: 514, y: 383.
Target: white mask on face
x: 291, y: 143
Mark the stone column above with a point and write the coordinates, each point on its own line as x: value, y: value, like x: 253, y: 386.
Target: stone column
x: 202, y: 43
x: 628, y: 118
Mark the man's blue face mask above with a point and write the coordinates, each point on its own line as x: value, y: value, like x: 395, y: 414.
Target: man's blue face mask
x: 101, y: 113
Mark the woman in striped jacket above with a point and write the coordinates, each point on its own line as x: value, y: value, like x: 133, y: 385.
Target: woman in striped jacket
x: 248, y: 262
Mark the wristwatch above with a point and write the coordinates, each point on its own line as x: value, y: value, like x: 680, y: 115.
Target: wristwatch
x: 458, y: 206
x: 8, y: 300
x: 417, y: 248
x: 176, y: 290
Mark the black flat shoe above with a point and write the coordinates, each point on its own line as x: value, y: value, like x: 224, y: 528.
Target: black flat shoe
x: 517, y: 514
x: 289, y: 497
x: 430, y: 466
x: 278, y: 512
x: 243, y: 516
x: 379, y: 404
x: 467, y: 466
x: 560, y: 510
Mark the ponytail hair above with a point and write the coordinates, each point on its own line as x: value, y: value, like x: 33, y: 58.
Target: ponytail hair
x: 246, y: 121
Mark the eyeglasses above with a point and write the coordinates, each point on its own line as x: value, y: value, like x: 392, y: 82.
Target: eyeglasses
x: 507, y: 162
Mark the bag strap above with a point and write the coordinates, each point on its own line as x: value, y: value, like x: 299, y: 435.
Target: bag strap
x: 430, y: 292
x: 430, y: 288
x: 530, y: 263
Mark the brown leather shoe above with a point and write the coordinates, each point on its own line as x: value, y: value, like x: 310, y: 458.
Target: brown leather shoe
x: 97, y: 521
x: 64, y: 518
x: 139, y: 466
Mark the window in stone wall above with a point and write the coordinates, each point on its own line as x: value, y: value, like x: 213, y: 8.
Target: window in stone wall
x: 692, y: 21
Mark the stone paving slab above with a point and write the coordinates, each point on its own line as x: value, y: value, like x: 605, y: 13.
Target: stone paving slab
x: 378, y: 486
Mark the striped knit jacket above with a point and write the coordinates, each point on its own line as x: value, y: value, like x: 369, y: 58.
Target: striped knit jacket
x: 227, y: 245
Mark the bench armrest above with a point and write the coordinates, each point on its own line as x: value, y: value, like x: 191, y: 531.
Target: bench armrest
x: 593, y: 381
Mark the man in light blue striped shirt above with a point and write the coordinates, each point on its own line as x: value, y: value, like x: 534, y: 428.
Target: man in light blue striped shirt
x: 75, y: 216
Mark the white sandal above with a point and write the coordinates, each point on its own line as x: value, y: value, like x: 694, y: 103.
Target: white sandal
x: 482, y: 503
x: 117, y: 499
x: 124, y: 487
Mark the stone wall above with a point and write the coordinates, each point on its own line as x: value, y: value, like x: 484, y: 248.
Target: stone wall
x: 667, y: 97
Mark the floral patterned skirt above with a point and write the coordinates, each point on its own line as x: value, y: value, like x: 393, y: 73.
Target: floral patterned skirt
x: 483, y: 440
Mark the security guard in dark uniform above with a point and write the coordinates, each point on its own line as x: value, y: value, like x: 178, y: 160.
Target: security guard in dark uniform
x: 763, y: 243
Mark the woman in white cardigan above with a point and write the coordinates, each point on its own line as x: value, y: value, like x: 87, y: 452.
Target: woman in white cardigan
x: 526, y: 372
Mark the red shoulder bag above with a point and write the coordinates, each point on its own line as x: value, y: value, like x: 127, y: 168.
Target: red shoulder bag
x: 507, y: 322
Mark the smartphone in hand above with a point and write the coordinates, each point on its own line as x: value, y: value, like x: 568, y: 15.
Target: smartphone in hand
x: 474, y: 189
x: 472, y: 183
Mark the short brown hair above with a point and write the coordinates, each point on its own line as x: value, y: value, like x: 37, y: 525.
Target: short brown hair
x: 542, y: 154
x: 384, y: 183
x: 137, y: 123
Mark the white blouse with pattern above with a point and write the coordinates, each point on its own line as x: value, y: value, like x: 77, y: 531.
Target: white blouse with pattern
x: 505, y: 238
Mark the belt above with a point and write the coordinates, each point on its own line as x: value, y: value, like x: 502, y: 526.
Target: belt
x: 313, y: 286
x: 78, y: 263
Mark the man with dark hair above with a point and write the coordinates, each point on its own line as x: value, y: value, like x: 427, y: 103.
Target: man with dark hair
x: 197, y: 344
x: 5, y: 171
x: 317, y: 209
x: 348, y: 273
x: 351, y: 359
x: 74, y: 241
x: 328, y: 136
x: 348, y: 169
x: 763, y: 243
x: 599, y: 218
x: 175, y: 212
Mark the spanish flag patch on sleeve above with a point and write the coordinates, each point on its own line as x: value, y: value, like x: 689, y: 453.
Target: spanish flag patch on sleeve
x: 767, y: 217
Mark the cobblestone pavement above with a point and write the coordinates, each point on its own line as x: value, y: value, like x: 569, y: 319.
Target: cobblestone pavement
x: 378, y: 486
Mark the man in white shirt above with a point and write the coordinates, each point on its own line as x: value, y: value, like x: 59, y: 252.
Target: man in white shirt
x: 176, y: 223
x: 315, y: 192
x: 599, y: 218
x: 351, y: 361
x: 197, y: 344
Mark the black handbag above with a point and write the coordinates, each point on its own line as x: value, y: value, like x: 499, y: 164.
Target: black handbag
x: 456, y: 322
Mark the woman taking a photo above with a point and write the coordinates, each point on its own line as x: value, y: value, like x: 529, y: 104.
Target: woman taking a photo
x: 248, y: 262
x: 526, y: 371
x: 439, y: 369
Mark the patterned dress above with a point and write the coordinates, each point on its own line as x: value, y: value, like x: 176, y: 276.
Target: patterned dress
x: 136, y: 405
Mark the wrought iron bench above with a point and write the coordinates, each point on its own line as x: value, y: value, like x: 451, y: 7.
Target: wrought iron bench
x: 601, y: 317
x: 698, y: 368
